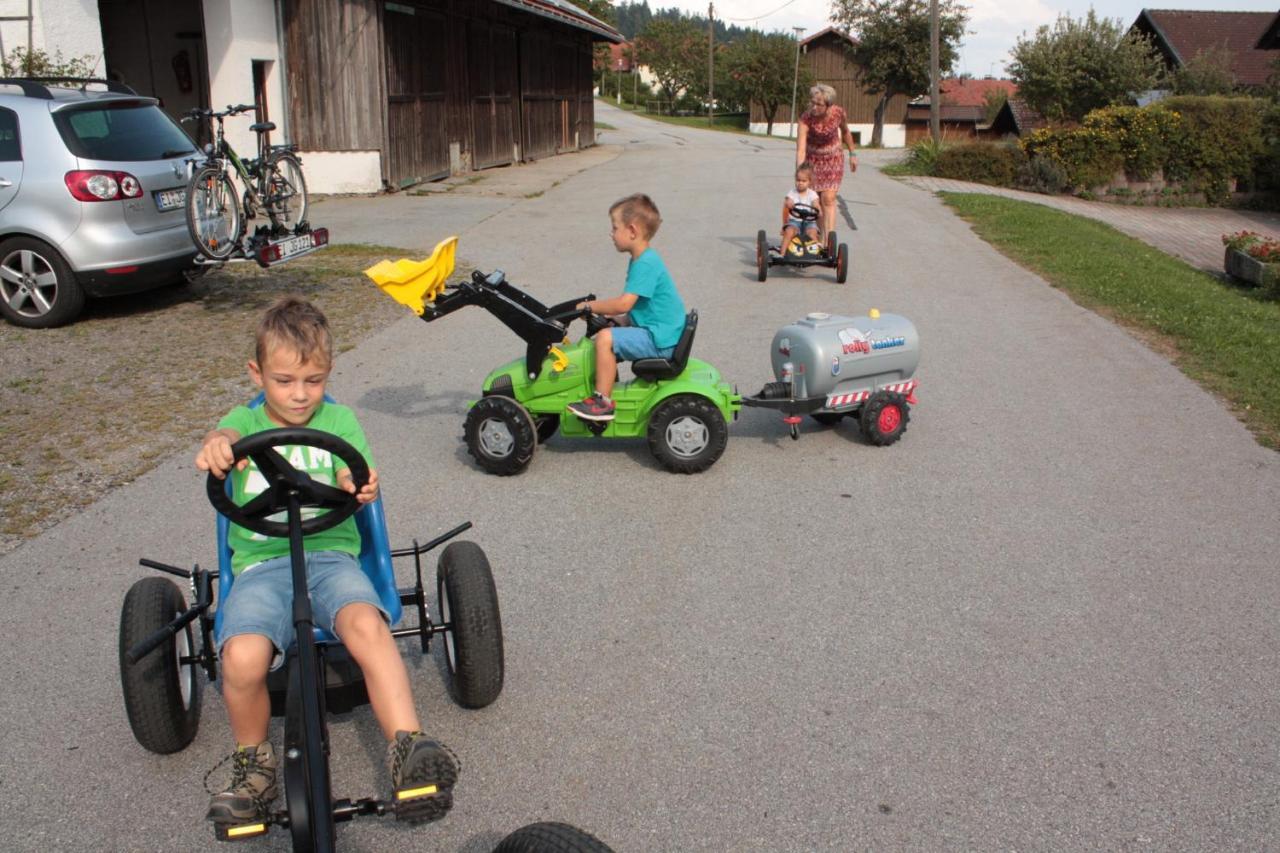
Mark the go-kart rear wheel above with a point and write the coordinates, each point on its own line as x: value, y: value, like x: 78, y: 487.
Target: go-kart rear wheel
x: 473, y: 638
x: 828, y: 418
x: 842, y: 263
x: 546, y: 426
x: 687, y: 433
x: 833, y: 243
x: 500, y: 435
x: 551, y: 838
x: 161, y: 693
x: 762, y: 255
x: 884, y: 417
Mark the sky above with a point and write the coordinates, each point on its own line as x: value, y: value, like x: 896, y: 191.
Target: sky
x: 994, y: 25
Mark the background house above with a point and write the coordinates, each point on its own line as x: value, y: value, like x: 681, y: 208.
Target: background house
x: 1180, y: 36
x: 824, y: 55
x: 963, y: 110
x: 375, y: 93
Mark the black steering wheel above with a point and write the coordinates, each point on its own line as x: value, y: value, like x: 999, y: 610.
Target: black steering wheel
x: 804, y: 211
x: 283, y: 479
x: 596, y: 322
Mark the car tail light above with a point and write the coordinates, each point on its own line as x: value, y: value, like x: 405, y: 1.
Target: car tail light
x: 98, y: 185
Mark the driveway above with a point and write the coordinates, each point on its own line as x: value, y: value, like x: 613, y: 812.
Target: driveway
x: 1044, y: 620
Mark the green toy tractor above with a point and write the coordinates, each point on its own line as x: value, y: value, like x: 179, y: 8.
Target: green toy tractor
x: 680, y: 405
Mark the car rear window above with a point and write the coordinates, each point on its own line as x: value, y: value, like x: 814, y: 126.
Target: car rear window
x: 122, y: 132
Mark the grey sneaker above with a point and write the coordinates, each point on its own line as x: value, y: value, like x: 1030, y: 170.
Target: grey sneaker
x: 251, y: 791
x: 423, y: 773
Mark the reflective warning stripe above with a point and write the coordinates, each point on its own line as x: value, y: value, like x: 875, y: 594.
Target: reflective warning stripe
x: 836, y: 401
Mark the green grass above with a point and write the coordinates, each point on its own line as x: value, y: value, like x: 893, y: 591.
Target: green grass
x: 1225, y: 337
x: 729, y: 124
x: 905, y: 167
x: 604, y: 125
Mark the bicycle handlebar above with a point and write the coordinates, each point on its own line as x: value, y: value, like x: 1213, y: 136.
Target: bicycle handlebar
x: 231, y: 110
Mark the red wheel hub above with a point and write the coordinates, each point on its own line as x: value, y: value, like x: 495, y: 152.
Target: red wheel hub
x: 890, y: 418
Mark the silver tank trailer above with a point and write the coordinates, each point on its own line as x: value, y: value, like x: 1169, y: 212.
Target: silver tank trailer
x: 845, y: 359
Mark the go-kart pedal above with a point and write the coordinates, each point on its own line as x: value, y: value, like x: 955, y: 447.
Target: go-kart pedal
x: 240, y: 831
x: 423, y: 773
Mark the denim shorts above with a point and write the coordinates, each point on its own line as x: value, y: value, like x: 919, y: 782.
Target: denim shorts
x: 633, y: 342
x: 261, y: 598
x: 801, y: 226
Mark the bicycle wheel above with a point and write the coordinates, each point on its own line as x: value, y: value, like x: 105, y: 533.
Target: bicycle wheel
x: 213, y: 214
x: 286, y: 201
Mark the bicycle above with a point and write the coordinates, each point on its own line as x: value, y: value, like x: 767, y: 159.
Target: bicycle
x: 273, y: 183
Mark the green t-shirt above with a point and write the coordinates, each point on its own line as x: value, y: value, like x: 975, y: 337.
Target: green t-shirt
x: 248, y: 548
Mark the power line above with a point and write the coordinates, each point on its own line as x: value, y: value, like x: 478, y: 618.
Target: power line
x: 759, y: 17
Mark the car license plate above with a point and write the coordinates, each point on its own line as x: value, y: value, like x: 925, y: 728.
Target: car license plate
x: 170, y: 199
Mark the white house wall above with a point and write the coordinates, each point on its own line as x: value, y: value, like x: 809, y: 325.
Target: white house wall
x: 236, y: 33
x: 67, y: 26
x: 894, y: 135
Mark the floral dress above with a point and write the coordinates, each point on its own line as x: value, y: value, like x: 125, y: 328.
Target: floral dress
x: 822, y: 148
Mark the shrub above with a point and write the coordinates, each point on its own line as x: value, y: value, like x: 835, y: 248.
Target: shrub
x: 1086, y: 156
x: 924, y: 155
x: 1143, y: 136
x: 1221, y: 140
x: 981, y: 162
x: 1042, y: 175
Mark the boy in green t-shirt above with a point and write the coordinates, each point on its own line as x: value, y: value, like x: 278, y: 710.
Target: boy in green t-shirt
x: 292, y: 362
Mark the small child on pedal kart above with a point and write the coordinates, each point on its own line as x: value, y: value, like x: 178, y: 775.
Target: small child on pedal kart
x: 649, y: 313
x: 292, y: 362
x: 792, y: 224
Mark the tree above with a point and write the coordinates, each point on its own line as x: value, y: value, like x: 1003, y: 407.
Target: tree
x: 993, y: 102
x: 1079, y: 66
x: 676, y: 53
x: 1207, y: 73
x: 763, y: 67
x: 891, y: 45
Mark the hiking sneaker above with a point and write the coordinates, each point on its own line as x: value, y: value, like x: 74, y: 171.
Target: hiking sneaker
x: 252, y: 789
x: 423, y: 772
x: 594, y: 408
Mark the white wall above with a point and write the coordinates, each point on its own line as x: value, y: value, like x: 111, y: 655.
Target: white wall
x: 237, y: 32
x: 895, y: 135
x: 69, y: 26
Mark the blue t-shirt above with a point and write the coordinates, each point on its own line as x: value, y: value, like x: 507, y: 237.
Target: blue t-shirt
x: 659, y: 308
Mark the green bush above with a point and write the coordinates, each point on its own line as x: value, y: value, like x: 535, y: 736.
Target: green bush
x: 1086, y: 156
x: 1221, y: 140
x: 924, y: 155
x: 1143, y: 136
x: 981, y: 162
x: 1042, y: 175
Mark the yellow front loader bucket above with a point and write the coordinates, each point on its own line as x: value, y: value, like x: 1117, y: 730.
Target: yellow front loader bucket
x: 414, y: 283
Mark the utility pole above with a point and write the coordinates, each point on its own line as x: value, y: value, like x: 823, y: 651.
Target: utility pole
x: 711, y: 63
x: 795, y: 82
x: 935, y: 108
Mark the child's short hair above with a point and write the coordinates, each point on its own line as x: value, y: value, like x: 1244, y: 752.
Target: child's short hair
x: 296, y: 323
x: 804, y: 167
x: 639, y: 210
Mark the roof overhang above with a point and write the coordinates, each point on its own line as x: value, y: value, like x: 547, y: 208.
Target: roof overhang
x: 566, y: 13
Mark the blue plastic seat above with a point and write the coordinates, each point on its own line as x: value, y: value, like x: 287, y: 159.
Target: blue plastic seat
x: 375, y: 558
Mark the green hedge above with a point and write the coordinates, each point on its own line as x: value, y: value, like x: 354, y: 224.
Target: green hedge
x: 981, y: 162
x: 1221, y: 140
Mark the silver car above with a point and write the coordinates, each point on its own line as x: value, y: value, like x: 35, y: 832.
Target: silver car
x: 92, y: 197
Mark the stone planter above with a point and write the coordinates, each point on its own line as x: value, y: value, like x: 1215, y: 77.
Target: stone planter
x: 1246, y: 268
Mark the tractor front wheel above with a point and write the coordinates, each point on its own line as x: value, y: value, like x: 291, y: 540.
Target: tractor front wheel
x: 501, y: 435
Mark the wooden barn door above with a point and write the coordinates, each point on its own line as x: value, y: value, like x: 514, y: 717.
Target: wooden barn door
x: 540, y: 112
x: 491, y: 60
x: 418, y: 149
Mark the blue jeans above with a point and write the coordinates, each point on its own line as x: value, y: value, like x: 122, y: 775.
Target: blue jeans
x: 261, y: 599
x: 634, y: 342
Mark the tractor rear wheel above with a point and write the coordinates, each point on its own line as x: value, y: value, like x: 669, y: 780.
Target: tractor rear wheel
x: 687, y: 433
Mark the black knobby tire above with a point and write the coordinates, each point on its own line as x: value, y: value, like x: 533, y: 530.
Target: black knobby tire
x: 833, y: 243
x: 473, y: 643
x: 161, y: 696
x: 842, y: 264
x: 546, y: 426
x: 687, y: 433
x: 828, y: 418
x: 213, y: 212
x: 884, y: 417
x: 286, y: 190
x: 551, y: 838
x: 501, y: 435
x: 762, y: 255
x: 39, y: 290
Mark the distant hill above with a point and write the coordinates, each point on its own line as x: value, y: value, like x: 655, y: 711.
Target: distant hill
x: 632, y: 18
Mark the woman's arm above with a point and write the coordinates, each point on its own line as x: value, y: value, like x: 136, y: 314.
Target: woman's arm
x: 848, y: 141
x: 802, y: 141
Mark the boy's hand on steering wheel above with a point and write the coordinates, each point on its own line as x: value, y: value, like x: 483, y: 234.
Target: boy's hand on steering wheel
x: 366, y: 495
x: 215, y: 455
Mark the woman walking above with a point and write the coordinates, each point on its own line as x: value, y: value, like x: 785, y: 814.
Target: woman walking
x: 821, y: 138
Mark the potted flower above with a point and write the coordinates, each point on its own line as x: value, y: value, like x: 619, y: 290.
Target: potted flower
x: 1252, y: 258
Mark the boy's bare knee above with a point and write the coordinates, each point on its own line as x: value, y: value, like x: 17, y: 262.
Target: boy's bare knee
x: 246, y: 659
x: 604, y: 340
x: 360, y: 625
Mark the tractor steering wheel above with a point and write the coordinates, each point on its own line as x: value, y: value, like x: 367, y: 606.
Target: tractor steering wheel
x: 283, y: 479
x: 804, y: 212
x: 597, y: 322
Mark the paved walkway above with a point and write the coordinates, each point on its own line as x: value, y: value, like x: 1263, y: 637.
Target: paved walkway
x: 1193, y: 234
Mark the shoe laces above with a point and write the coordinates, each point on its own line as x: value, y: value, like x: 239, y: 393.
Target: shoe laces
x: 243, y: 764
x: 404, y: 746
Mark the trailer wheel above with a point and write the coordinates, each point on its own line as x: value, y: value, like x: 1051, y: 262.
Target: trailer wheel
x: 500, y: 435
x: 161, y: 694
x: 842, y: 263
x: 762, y: 255
x: 687, y: 433
x: 551, y: 838
x: 473, y: 640
x: 828, y: 418
x: 884, y: 417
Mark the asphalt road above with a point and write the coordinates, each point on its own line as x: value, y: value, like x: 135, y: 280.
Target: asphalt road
x: 1044, y: 620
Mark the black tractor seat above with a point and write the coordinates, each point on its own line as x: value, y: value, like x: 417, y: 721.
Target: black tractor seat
x: 669, y: 368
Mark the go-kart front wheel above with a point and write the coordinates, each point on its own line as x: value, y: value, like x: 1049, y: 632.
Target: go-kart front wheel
x: 842, y: 264
x: 500, y: 435
x: 762, y: 255
x: 161, y: 693
x: 687, y: 433
x: 473, y: 636
x: 551, y: 838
